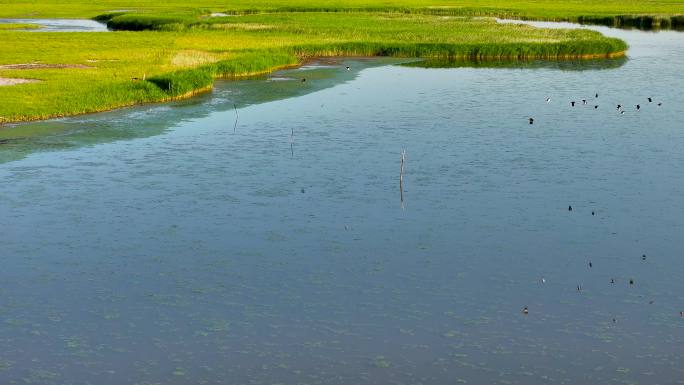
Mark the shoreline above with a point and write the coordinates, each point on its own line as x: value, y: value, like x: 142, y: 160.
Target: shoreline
x: 5, y: 123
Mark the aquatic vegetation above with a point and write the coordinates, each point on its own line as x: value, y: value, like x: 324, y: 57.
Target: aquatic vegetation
x: 381, y: 362
x: 176, y: 54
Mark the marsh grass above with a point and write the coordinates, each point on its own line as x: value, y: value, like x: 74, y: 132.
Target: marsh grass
x: 538, y: 9
x: 179, y: 48
x: 184, y: 59
x: 18, y: 26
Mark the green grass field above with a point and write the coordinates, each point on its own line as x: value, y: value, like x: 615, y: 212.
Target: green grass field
x: 174, y: 48
x: 550, y: 9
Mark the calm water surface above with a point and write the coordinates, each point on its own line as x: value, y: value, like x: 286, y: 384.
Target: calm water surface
x: 168, y: 245
x: 60, y: 25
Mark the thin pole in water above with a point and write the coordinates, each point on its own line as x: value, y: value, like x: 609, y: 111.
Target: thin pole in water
x: 401, y: 178
x: 236, y: 117
x: 292, y: 143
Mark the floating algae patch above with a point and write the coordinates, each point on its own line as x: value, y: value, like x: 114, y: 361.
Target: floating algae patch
x: 380, y: 362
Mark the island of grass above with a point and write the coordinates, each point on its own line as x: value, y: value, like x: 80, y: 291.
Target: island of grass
x: 168, y: 50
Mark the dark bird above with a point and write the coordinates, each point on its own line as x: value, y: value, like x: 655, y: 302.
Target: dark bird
x: 531, y: 120
x: 584, y: 101
x: 596, y: 106
x: 631, y: 281
x: 303, y: 80
x: 650, y: 100
x: 638, y: 107
x: 596, y: 95
x: 660, y: 104
x: 612, y: 280
x: 614, y: 321
x: 590, y: 264
x: 569, y: 208
x: 651, y: 302
x: 525, y: 310
x: 643, y: 257
x: 348, y: 68
x: 572, y: 103
x: 619, y: 106
x: 681, y: 313
x: 593, y: 213
x: 548, y: 99
x: 622, y: 112
x: 579, y: 288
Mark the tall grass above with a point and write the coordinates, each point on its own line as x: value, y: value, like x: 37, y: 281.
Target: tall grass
x: 547, y: 9
x: 181, y: 51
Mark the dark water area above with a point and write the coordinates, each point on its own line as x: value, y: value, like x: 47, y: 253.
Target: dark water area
x: 167, y: 245
x: 60, y: 25
x: 640, y: 22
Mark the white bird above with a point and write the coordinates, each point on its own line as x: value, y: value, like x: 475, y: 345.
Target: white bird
x: 548, y: 100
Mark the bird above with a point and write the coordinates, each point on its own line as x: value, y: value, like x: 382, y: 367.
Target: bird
x: 660, y: 104
x: 681, y: 313
x: 348, y: 69
x: 303, y: 80
x: 643, y: 257
x: 631, y: 281
x: 619, y: 106
x: 579, y: 288
x: 612, y: 280
x: 638, y: 107
x: 525, y: 310
x: 596, y: 95
x: 543, y: 280
x: 572, y: 103
x: 622, y: 112
x: 302, y: 190
x: 591, y: 265
x: 651, y: 302
x: 584, y: 101
x: 592, y: 213
x: 569, y: 208
x: 531, y: 120
x: 650, y: 100
x: 596, y: 106
x: 548, y: 99
x: 614, y: 321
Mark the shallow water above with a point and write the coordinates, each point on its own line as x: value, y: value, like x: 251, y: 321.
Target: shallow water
x: 60, y: 25
x: 168, y: 245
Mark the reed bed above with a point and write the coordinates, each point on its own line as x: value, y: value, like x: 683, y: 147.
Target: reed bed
x: 168, y: 50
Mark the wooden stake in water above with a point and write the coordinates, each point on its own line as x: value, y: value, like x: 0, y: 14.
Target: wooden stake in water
x: 401, y: 178
x: 292, y: 143
x: 236, y: 117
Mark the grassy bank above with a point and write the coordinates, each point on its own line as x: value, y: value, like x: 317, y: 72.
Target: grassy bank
x: 7, y: 27
x: 546, y: 9
x: 109, y: 70
x: 173, y: 49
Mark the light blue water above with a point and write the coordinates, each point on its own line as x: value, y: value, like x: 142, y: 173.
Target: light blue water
x: 278, y: 251
x: 60, y: 25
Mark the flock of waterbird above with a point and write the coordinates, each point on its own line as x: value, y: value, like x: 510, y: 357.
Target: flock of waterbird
x: 620, y: 108
x: 526, y: 309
